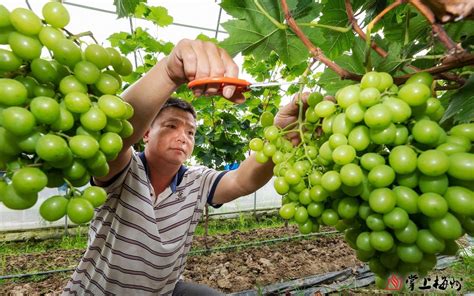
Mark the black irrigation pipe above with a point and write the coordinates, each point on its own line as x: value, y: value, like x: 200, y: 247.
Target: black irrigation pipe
x: 13, y: 276
x: 191, y: 253
x: 261, y: 242
x: 245, y: 211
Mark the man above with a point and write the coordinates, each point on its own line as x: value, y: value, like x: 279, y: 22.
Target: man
x: 140, y: 237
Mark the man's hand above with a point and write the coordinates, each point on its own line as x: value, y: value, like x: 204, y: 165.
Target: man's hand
x: 289, y: 114
x: 194, y: 59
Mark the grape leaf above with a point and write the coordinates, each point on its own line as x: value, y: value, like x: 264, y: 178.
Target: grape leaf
x: 394, y: 31
x: 139, y: 39
x: 334, y: 14
x: 331, y: 82
x: 251, y: 32
x: 159, y: 16
x: 204, y: 37
x: 461, y: 105
x: 125, y: 8
x: 391, y: 62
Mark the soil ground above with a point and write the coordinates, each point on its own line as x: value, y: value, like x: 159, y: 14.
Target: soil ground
x: 228, y: 270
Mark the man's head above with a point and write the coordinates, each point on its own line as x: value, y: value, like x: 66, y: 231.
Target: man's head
x: 171, y: 134
x: 176, y: 103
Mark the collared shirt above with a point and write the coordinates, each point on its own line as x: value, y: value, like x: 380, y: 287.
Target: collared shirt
x: 138, y: 246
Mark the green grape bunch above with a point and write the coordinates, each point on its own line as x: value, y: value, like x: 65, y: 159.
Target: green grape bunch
x: 375, y: 163
x: 61, y: 119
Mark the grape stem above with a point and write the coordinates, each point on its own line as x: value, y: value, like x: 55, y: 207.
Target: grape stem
x: 268, y: 16
x: 83, y: 34
x: 316, y: 52
x: 72, y: 189
x: 334, y: 28
x: 63, y: 135
x: 32, y: 165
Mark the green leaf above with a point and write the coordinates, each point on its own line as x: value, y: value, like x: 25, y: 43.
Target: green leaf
x: 141, y: 10
x: 306, y: 10
x: 395, y: 30
x: 391, y: 62
x: 461, y: 105
x: 125, y: 8
x: 140, y: 39
x: 331, y: 82
x: 334, y: 14
x: 252, y: 32
x: 460, y: 30
x: 124, y: 41
x: 159, y: 16
x: 204, y: 37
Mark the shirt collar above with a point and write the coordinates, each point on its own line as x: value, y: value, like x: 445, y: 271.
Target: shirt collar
x: 176, y: 179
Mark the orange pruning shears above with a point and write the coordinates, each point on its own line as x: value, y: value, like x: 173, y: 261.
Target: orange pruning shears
x: 241, y: 85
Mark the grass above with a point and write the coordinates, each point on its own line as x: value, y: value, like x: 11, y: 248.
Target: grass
x: 67, y: 242
x: 78, y: 241
x: 244, y: 222
x: 465, y: 269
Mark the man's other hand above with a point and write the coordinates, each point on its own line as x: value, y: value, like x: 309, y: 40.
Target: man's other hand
x: 289, y: 114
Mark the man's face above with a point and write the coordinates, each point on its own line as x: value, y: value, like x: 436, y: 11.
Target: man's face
x: 171, y: 137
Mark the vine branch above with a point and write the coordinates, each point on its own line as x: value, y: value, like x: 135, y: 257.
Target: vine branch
x: 381, y: 52
x: 316, y: 52
x: 379, y: 16
x: 437, y: 28
x: 350, y: 15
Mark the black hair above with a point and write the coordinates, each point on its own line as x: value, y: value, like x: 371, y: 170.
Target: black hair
x: 177, y: 103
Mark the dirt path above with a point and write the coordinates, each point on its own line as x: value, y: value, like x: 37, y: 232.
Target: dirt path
x: 228, y: 271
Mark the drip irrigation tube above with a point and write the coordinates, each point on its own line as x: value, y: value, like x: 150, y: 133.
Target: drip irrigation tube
x: 262, y: 242
x: 14, y: 276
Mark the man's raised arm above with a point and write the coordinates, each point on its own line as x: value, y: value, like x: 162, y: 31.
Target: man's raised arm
x: 189, y: 60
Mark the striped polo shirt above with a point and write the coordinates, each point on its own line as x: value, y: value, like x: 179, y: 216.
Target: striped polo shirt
x: 137, y: 243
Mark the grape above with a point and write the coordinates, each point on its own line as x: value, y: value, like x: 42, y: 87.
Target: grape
x: 46, y: 110
x: 461, y: 165
x: 347, y: 96
x: 13, y: 92
x: 23, y: 46
x: 25, y: 21
x: 433, y: 163
x: 67, y: 52
x: 53, y: 128
x: 314, y: 98
x: 97, y: 55
x: 415, y: 94
x: 49, y: 36
x: 369, y: 97
x: 29, y: 180
x: 4, y: 16
x: 86, y: 72
x: 370, y: 79
x: 80, y: 210
x: 54, y: 208
x: 56, y: 14
x: 107, y: 84
x: 43, y: 71
x: 378, y: 116
x: 18, y: 120
x: 325, y: 108
x: 112, y: 106
x: 421, y: 77
x: 8, y: 60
